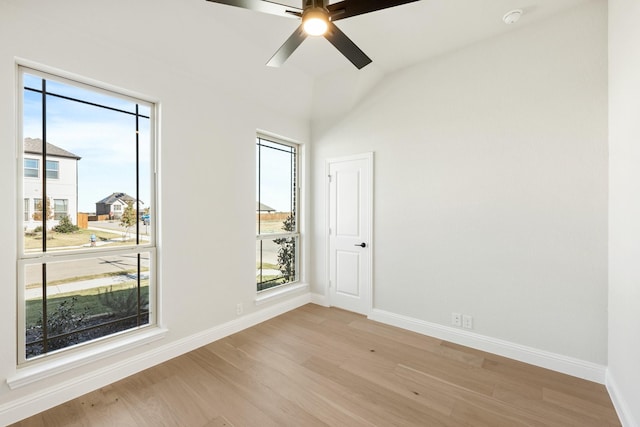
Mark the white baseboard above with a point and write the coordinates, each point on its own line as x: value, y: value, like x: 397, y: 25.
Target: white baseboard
x: 622, y: 408
x: 44, y: 399
x: 319, y: 299
x: 557, y: 362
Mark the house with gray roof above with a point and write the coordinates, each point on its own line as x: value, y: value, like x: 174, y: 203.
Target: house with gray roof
x: 261, y: 207
x: 115, y: 203
x: 61, y: 171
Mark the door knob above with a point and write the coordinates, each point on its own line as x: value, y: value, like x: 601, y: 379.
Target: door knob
x: 362, y: 245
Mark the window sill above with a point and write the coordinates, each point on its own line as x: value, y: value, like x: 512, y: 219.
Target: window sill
x: 281, y: 291
x: 47, y: 368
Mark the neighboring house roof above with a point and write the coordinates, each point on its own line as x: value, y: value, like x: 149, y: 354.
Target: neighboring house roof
x: 121, y: 197
x: 261, y: 207
x: 34, y: 146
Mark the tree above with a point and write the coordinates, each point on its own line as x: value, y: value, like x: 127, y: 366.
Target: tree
x: 287, y: 251
x: 128, y: 219
x: 37, y: 215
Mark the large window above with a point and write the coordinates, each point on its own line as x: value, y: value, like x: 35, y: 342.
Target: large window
x: 277, y: 234
x: 79, y: 285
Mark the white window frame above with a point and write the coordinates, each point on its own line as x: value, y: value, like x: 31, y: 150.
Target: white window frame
x: 298, y: 214
x: 42, y: 366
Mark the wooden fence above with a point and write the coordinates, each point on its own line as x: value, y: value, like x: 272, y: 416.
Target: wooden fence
x: 274, y: 216
x: 98, y: 217
x: 83, y: 220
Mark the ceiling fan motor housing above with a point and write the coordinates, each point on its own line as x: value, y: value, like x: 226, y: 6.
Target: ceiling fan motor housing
x: 313, y: 4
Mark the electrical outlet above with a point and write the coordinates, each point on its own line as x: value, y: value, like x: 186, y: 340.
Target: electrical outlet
x: 239, y: 309
x: 456, y: 319
x: 467, y: 321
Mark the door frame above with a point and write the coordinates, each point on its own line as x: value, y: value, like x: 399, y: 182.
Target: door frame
x: 368, y: 157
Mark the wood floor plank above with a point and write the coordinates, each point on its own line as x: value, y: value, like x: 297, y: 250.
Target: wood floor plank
x: 318, y: 366
x: 218, y: 422
x: 390, y: 408
x: 106, y: 408
x: 338, y: 397
x: 307, y: 398
x: 251, y: 386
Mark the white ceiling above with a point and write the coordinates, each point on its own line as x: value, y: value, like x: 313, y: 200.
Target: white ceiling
x: 394, y: 38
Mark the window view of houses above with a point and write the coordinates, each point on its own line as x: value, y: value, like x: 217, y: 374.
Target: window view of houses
x: 87, y: 187
x: 112, y: 218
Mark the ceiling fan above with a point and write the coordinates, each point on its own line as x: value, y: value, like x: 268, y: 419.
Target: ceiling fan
x: 317, y: 20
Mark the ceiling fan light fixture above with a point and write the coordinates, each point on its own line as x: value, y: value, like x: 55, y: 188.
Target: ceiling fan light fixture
x: 315, y: 22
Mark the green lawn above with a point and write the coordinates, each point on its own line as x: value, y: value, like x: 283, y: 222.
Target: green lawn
x: 267, y: 266
x: 88, y: 300
x: 33, y: 241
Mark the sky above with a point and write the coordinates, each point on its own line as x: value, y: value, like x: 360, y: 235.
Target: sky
x: 273, y: 175
x: 104, y: 139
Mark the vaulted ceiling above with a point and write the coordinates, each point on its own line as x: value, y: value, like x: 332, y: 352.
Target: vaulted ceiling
x: 394, y: 38
x: 227, y: 47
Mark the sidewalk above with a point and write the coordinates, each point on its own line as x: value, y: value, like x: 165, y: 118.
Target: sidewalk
x: 63, y: 288
x: 106, y: 230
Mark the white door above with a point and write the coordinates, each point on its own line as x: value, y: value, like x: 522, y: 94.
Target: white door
x: 350, y: 221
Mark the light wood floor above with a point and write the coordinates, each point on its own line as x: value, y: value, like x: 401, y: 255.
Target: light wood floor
x: 317, y: 366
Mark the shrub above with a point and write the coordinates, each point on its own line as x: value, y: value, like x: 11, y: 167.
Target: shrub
x: 65, y: 318
x: 287, y: 251
x: 62, y: 319
x: 123, y: 303
x: 65, y: 226
x: 38, y: 229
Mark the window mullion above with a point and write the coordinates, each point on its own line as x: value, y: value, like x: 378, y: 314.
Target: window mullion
x: 43, y: 204
x: 45, y: 323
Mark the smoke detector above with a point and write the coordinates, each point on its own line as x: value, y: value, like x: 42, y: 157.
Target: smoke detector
x: 512, y: 16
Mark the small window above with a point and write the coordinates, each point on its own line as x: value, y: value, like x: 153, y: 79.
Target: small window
x: 37, y: 210
x: 53, y: 168
x: 26, y: 210
x: 277, y: 234
x: 31, y: 168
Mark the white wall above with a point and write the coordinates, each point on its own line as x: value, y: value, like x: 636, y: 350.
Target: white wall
x: 490, y: 186
x: 624, y: 209
x: 214, y: 92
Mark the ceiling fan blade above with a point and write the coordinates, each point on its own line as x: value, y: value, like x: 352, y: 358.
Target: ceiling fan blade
x: 263, y: 6
x: 348, y: 8
x: 288, y: 47
x: 346, y: 46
